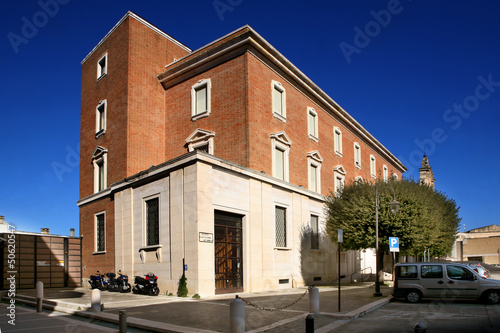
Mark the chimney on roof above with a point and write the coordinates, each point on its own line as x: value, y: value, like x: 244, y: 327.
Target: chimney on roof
x: 45, y: 231
x: 2, y: 219
x: 72, y: 232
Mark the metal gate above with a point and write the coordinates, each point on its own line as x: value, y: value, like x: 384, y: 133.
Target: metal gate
x: 228, y: 246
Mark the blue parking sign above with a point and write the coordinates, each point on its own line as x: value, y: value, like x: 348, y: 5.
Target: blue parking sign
x: 394, y: 244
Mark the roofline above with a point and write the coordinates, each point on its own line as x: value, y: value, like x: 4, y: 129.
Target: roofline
x: 267, y: 50
x: 159, y: 171
x: 141, y: 20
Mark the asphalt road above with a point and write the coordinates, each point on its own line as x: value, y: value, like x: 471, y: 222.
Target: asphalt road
x: 399, y: 317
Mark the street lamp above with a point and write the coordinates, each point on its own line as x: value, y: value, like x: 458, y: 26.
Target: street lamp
x: 394, y: 207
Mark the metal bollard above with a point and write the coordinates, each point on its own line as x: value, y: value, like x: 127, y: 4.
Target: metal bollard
x: 237, y: 316
x: 420, y: 328
x: 96, y: 300
x: 314, y: 300
x: 310, y: 323
x: 39, y: 296
x: 122, y: 314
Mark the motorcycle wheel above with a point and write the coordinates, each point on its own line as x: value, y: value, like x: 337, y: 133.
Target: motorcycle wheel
x: 154, y: 291
x: 127, y: 289
x: 135, y: 291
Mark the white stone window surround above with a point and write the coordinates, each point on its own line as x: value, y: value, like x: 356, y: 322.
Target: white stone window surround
x: 150, y: 248
x: 288, y: 226
x: 201, y: 138
x: 96, y: 251
x: 337, y: 135
x: 102, y: 66
x: 280, y: 141
x: 339, y: 175
x: 100, y: 159
x: 357, y: 155
x: 278, y: 106
x: 201, y: 84
x: 314, y: 161
x: 312, y: 124
x: 100, y: 118
x: 385, y: 173
x: 373, y: 167
x: 395, y: 175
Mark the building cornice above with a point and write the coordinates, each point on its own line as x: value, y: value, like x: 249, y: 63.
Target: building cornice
x: 245, y: 40
x: 141, y: 20
x: 163, y: 170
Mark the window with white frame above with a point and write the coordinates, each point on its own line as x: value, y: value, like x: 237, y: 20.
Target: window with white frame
x: 278, y: 100
x: 337, y: 138
x: 280, y: 152
x: 357, y: 155
x: 100, y: 232
x: 152, y: 207
x: 280, y: 226
x: 314, y: 232
x: 395, y: 176
x: 339, y: 175
x: 99, y: 163
x: 373, y: 169
x: 201, y: 140
x: 100, y: 118
x: 102, y: 66
x: 314, y: 161
x: 312, y: 123
x: 201, y: 99
x: 385, y: 173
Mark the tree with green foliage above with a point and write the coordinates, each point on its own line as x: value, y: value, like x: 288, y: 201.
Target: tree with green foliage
x: 427, y: 219
x: 182, y: 289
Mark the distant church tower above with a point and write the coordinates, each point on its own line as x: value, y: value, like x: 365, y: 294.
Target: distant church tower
x: 426, y: 174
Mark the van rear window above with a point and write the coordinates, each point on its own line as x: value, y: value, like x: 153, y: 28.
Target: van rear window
x: 407, y: 272
x: 432, y: 272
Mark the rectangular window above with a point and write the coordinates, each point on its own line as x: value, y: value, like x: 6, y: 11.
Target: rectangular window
x: 102, y: 66
x: 407, y: 272
x: 373, y: 170
x: 314, y: 232
x: 432, y: 271
x: 279, y: 171
x: 101, y: 185
x: 357, y: 155
x: 152, y: 222
x: 100, y: 118
x: 314, y: 178
x: 312, y: 121
x: 280, y: 226
x: 339, y: 183
x: 338, y: 141
x: 278, y: 100
x: 200, y: 99
x: 100, y: 232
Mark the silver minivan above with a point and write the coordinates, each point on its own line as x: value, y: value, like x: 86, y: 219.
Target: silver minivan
x: 414, y: 281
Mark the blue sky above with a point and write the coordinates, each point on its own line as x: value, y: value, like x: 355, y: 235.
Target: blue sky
x: 416, y: 74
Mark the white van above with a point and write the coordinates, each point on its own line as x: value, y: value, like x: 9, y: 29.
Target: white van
x: 414, y: 281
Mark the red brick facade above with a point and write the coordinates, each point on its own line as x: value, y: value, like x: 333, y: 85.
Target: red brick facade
x: 149, y: 115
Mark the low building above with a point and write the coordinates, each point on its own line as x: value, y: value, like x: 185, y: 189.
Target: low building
x: 480, y: 244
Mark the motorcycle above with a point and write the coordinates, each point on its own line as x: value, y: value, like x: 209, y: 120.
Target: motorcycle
x: 97, y: 281
x: 146, y: 285
x: 119, y: 284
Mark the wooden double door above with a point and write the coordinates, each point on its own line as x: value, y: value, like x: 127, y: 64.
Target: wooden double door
x: 228, y: 244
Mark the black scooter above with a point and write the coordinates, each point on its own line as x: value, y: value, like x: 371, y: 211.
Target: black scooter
x: 97, y: 281
x: 119, y: 284
x: 146, y: 285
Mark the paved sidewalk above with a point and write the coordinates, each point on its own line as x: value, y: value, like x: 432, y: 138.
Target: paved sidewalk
x: 211, y: 314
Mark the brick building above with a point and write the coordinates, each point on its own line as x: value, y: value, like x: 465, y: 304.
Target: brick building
x: 217, y: 158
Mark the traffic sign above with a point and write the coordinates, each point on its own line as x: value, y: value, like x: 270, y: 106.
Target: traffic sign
x: 394, y: 244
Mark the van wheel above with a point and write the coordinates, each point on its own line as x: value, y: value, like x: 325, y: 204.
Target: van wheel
x: 413, y: 296
x: 493, y: 297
